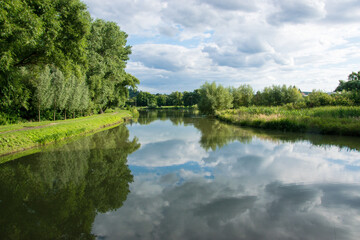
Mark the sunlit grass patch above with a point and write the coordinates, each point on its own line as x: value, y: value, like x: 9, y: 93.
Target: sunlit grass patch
x: 326, y: 120
x: 22, y: 136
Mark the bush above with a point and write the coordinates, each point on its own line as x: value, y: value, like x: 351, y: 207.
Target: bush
x: 318, y: 98
x: 214, y: 98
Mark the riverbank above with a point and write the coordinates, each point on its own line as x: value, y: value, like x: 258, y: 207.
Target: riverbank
x: 324, y: 120
x: 19, y: 137
x: 167, y: 108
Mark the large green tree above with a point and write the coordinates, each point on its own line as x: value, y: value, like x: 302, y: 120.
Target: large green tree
x: 242, y: 96
x: 34, y: 34
x: 107, y: 55
x: 43, y: 31
x: 353, y: 83
x: 213, y: 97
x: 191, y: 98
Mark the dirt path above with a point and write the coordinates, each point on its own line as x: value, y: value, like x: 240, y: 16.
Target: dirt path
x: 27, y: 128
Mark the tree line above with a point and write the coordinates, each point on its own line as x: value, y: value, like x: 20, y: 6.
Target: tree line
x: 212, y: 97
x: 56, y: 61
x: 141, y: 99
x: 215, y: 97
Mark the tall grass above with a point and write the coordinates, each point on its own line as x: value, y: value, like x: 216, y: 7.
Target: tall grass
x: 339, y: 120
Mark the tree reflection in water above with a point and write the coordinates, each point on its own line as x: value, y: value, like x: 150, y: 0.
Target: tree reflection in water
x: 57, y: 194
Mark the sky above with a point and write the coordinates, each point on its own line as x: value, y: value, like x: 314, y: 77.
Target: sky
x: 179, y: 45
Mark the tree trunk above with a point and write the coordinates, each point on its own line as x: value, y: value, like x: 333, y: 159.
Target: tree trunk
x: 65, y: 113
x: 54, y: 109
x: 39, y: 112
x: 74, y: 114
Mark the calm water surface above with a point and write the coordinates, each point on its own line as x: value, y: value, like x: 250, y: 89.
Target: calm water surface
x: 175, y: 175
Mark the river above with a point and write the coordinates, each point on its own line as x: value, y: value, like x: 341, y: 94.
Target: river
x: 178, y: 175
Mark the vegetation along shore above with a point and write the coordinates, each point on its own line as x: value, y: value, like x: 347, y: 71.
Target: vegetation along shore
x: 339, y: 120
x: 19, y: 137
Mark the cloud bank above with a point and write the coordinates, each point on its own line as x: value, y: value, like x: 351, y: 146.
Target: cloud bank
x: 178, y: 45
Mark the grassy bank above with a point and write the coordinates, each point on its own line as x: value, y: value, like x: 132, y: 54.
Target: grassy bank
x: 18, y: 137
x: 168, y: 107
x: 324, y: 120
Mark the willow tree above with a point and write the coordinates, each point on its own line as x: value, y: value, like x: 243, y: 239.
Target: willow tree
x: 36, y: 33
x: 60, y: 90
x: 43, y: 94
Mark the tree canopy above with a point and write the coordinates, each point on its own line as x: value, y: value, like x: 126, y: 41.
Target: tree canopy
x: 353, y: 83
x: 57, y: 42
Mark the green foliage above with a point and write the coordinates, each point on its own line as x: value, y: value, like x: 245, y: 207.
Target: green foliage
x: 107, y: 54
x: 161, y: 99
x: 242, y: 96
x: 176, y: 99
x: 214, y: 98
x: 326, y: 120
x: 145, y: 99
x: 352, y: 84
x: 14, y: 92
x: 35, y: 32
x: 277, y: 95
x: 58, y: 193
x: 318, y: 98
x: 191, y: 98
x: 86, y: 59
x: 27, y: 135
x: 343, y: 98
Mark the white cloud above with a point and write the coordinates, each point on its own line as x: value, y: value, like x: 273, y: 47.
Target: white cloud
x: 297, y: 11
x: 178, y: 45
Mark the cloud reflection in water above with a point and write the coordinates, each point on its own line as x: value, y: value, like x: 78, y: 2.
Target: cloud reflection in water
x: 258, y: 189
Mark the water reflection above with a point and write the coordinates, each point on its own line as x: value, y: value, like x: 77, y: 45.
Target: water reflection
x: 57, y: 194
x: 192, y: 178
x: 196, y: 178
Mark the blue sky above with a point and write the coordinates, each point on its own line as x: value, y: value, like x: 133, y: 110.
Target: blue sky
x: 178, y: 45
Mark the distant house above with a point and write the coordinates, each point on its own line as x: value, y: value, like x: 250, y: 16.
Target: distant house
x: 305, y: 94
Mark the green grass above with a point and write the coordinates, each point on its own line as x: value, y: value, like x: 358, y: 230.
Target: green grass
x: 168, y: 107
x: 325, y: 120
x: 18, y: 137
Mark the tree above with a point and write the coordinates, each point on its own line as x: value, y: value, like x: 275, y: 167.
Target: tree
x: 56, y: 33
x: 60, y: 90
x: 43, y: 94
x: 318, y: 98
x: 191, y: 98
x: 14, y: 92
x: 277, y: 95
x: 353, y: 83
x: 34, y: 34
x: 107, y: 54
x: 44, y: 31
x: 84, y: 99
x: 291, y: 95
x: 161, y: 99
x: 145, y: 99
x: 242, y: 96
x: 213, y: 97
x: 176, y: 98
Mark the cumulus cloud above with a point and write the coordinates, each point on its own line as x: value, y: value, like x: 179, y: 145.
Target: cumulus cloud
x: 297, y: 11
x: 169, y: 57
x: 340, y: 12
x: 233, y: 5
x: 178, y: 45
